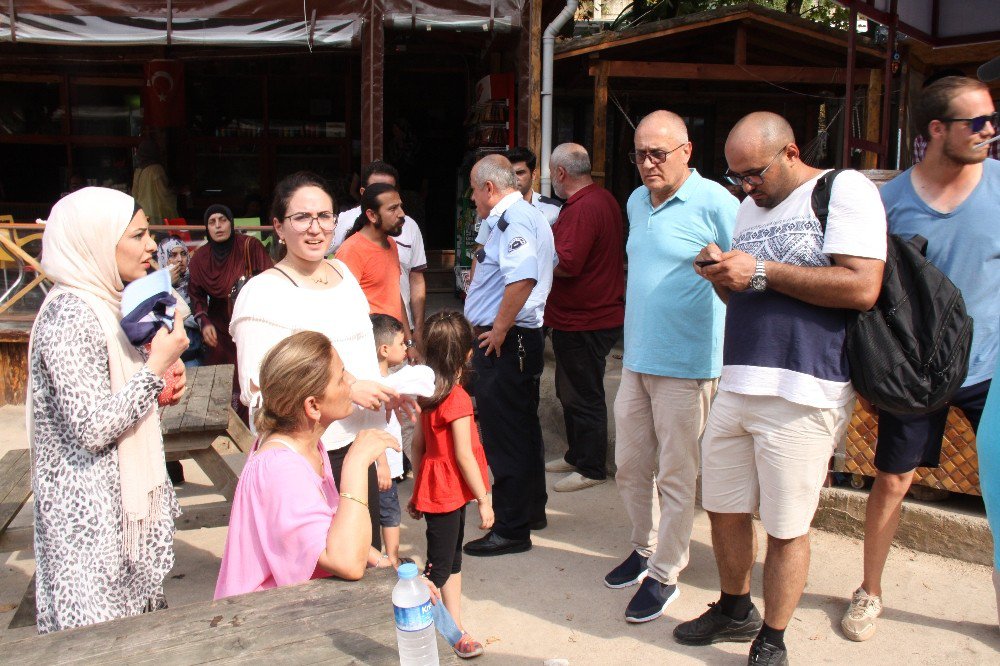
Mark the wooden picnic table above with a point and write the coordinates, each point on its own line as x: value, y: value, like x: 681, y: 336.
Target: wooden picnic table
x: 203, y: 426
x: 326, y: 620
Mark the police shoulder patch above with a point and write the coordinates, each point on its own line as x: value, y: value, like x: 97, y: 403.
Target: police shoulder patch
x: 515, y: 244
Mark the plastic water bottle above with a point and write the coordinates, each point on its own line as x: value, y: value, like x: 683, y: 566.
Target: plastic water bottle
x: 411, y: 602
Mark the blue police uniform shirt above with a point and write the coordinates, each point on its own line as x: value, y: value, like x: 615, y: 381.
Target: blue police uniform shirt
x: 549, y: 208
x: 965, y: 245
x: 518, y: 249
x: 674, y: 322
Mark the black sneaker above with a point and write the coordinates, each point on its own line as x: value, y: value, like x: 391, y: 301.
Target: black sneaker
x: 765, y: 654
x: 650, y: 601
x: 629, y: 572
x: 713, y: 626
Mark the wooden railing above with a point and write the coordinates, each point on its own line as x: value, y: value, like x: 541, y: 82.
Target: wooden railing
x: 14, y: 237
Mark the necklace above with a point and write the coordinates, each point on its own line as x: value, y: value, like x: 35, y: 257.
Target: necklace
x: 317, y: 280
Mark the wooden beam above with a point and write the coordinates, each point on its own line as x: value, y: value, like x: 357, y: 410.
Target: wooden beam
x: 600, y: 147
x: 673, y: 30
x: 740, y: 47
x: 873, y: 117
x: 816, y: 34
x: 534, y: 110
x: 716, y: 72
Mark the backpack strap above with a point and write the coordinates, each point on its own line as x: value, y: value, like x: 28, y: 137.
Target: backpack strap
x: 821, y: 196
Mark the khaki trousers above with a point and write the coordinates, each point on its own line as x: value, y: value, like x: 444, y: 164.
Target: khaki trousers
x: 658, y: 422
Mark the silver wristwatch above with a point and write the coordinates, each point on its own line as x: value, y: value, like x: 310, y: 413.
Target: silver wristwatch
x: 758, y: 282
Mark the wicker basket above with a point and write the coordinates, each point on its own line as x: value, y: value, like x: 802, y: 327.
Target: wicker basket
x: 959, y: 470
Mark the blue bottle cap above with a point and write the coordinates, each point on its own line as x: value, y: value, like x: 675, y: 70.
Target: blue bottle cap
x: 407, y: 571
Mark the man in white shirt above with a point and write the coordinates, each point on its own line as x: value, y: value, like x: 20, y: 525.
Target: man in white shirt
x: 410, y: 244
x: 785, y: 396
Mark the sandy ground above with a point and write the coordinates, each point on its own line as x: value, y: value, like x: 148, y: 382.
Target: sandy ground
x: 550, y: 602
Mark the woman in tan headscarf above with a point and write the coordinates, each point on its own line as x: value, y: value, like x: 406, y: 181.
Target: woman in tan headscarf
x: 104, y: 508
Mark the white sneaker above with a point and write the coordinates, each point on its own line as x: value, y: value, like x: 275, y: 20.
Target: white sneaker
x: 859, y: 619
x: 558, y: 465
x: 575, y: 481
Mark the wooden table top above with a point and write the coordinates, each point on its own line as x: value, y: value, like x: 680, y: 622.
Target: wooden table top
x: 326, y: 620
x: 205, y: 405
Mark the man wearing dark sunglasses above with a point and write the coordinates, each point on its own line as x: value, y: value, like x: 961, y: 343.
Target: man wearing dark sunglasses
x: 785, y: 396
x: 951, y: 198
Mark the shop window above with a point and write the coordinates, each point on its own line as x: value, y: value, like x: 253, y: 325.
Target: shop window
x: 106, y: 110
x: 30, y: 108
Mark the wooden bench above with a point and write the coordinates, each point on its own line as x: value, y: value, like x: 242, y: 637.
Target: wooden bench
x: 15, y: 490
x: 203, y: 426
x: 327, y: 620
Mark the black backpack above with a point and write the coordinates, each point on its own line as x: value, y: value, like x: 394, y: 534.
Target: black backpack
x: 910, y: 352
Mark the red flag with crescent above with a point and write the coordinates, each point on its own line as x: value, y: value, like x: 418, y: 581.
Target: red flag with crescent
x: 163, y: 95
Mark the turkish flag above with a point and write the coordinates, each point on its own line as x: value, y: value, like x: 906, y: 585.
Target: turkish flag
x: 163, y: 95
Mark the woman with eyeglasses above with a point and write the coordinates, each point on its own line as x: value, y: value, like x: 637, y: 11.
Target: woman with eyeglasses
x: 218, y: 271
x: 306, y: 292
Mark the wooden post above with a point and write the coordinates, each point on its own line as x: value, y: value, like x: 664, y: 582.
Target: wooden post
x: 529, y: 82
x: 600, y: 123
x: 873, y: 117
x: 535, y: 86
x: 740, y: 47
x: 372, y: 84
x: 848, y: 112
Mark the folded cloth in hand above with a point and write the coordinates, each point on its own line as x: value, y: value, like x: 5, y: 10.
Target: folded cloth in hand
x: 147, y: 304
x: 412, y: 380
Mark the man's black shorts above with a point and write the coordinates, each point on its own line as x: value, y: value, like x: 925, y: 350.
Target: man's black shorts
x: 908, y: 441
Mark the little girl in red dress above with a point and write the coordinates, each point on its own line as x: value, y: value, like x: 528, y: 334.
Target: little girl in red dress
x: 449, y: 463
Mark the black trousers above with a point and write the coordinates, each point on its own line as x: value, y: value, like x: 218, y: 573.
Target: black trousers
x: 337, y: 467
x: 445, y: 533
x: 507, y: 400
x: 581, y: 358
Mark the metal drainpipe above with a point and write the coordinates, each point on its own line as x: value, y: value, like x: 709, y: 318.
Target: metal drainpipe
x: 548, y: 52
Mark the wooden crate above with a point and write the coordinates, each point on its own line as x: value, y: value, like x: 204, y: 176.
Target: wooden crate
x: 959, y: 469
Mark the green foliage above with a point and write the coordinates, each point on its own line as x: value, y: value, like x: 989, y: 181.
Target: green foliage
x: 826, y: 12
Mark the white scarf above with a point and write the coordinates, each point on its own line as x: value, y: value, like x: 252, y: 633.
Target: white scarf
x: 78, y: 255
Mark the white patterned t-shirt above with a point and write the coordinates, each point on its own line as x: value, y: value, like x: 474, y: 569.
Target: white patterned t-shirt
x: 781, y: 346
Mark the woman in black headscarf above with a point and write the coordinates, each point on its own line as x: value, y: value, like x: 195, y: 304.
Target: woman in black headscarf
x: 218, y: 270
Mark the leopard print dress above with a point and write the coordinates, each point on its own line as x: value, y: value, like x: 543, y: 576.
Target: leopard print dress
x: 82, y: 574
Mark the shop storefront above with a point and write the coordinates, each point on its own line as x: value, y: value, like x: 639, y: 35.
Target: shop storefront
x: 238, y: 94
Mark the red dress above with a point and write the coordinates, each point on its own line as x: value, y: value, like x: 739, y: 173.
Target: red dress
x: 440, y: 486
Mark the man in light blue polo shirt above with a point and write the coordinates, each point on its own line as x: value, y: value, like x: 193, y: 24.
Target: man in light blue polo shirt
x: 505, y: 304
x: 673, y: 356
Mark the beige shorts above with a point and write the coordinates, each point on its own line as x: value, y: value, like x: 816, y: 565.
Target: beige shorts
x: 768, y: 453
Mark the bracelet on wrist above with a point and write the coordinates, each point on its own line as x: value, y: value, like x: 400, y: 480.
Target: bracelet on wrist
x: 356, y: 499
x: 480, y: 500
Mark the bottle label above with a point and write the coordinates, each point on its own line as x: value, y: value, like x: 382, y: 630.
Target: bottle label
x: 414, y: 618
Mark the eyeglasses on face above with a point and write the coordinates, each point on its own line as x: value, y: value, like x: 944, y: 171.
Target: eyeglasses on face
x: 301, y: 222
x: 755, y: 178
x: 977, y: 124
x: 639, y: 157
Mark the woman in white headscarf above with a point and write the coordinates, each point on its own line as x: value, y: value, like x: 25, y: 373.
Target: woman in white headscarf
x: 104, y: 508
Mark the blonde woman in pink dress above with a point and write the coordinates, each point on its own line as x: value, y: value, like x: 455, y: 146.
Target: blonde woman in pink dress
x: 290, y: 522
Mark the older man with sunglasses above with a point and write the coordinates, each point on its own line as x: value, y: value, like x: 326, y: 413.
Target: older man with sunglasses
x: 951, y: 198
x: 785, y: 396
x: 673, y: 356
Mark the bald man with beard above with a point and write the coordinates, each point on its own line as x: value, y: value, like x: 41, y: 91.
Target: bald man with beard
x: 785, y: 397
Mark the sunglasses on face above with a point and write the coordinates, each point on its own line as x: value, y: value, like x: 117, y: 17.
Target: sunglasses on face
x: 976, y: 124
x: 639, y: 157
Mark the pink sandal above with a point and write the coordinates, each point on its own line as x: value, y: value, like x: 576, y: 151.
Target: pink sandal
x: 467, y: 647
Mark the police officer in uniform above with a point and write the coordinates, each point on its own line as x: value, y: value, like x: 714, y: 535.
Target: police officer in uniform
x: 505, y: 304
